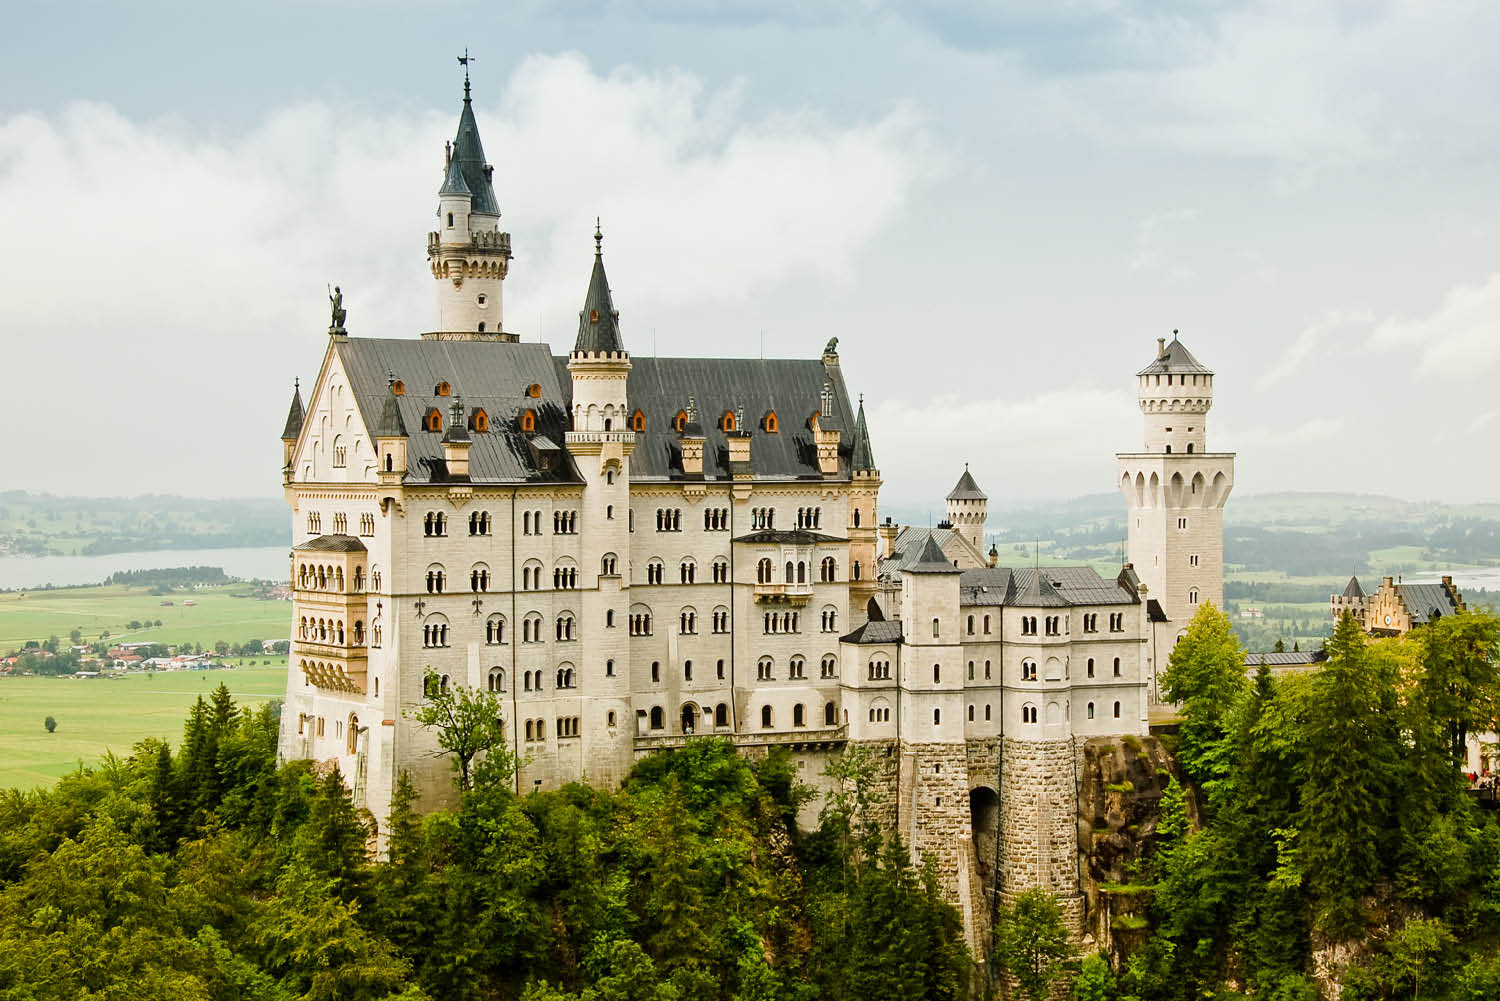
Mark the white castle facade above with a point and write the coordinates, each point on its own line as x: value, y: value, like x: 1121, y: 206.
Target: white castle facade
x: 632, y: 553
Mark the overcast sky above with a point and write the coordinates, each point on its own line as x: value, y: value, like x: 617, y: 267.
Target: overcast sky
x: 997, y: 207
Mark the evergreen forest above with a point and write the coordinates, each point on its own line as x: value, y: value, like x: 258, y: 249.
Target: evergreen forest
x: 1324, y: 842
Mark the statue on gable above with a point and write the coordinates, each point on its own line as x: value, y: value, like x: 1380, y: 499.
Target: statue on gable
x: 336, y: 307
x: 833, y: 346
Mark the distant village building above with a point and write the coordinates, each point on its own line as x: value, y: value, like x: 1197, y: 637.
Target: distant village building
x: 1396, y: 608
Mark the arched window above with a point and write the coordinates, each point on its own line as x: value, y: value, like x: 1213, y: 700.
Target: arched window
x: 937, y: 717
x: 1117, y: 667
x: 398, y: 387
x: 770, y: 423
x: 528, y: 420
x: 830, y: 714
x: 657, y: 718
x: 434, y: 420
x: 442, y: 389
x: 721, y: 714
x: 799, y: 715
x: 534, y: 391
x: 1091, y: 710
x: 765, y: 717
x: 726, y: 423
x: 934, y: 628
x: 1091, y: 667
x: 1117, y: 710
x: 496, y: 680
x: 638, y: 421
x: 1028, y: 713
x: 679, y: 423
x: 481, y: 421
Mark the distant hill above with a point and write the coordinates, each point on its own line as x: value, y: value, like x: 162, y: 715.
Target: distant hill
x: 43, y: 524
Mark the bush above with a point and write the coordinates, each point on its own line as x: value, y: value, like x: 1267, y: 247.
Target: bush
x: 50, y: 724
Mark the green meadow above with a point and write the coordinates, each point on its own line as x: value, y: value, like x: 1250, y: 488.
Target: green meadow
x: 227, y: 612
x: 95, y: 715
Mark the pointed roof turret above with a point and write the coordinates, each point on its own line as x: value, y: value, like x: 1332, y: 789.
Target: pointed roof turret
x: 966, y: 488
x: 598, y: 322
x: 1353, y: 590
x: 295, y: 415
x: 693, y: 428
x: 932, y: 559
x: 453, y: 181
x: 468, y: 154
x: 391, y: 425
x: 863, y: 458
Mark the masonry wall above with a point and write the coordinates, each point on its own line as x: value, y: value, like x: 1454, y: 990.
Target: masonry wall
x: 1039, y: 823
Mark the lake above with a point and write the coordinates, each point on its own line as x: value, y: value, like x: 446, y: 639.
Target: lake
x: 265, y: 562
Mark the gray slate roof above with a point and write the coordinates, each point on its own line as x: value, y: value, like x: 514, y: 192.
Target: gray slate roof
x: 909, y: 544
x: 1285, y: 659
x: 496, y: 376
x: 966, y: 488
x: 468, y: 153
x: 1052, y: 587
x: 660, y: 387
x: 872, y: 633
x: 932, y: 560
x: 331, y: 544
x: 294, y: 417
x: 1426, y: 602
x: 1176, y: 359
x: 1353, y: 590
x: 488, y: 375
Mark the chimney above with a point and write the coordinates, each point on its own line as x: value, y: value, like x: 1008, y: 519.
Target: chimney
x: 887, y: 534
x: 1161, y: 347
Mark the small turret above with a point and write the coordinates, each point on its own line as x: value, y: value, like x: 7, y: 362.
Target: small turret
x: 390, y: 437
x: 691, y: 442
x: 293, y: 428
x: 968, y: 509
x: 1176, y: 391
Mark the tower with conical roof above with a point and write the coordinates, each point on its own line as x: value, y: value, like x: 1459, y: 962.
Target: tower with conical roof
x: 864, y: 516
x: 468, y: 254
x: 601, y: 442
x: 1175, y: 489
x: 968, y: 508
x: 291, y: 431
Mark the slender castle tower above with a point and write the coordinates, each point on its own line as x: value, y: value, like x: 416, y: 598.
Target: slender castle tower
x: 1175, y: 490
x: 469, y: 255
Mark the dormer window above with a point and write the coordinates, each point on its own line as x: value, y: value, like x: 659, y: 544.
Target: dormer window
x: 528, y: 420
x: 398, y: 387
x: 534, y: 391
x: 481, y: 420
x: 442, y: 389
x: 638, y: 421
x: 593, y: 316
x: 434, y: 420
x: 680, y: 421
x: 770, y: 423
x: 726, y: 423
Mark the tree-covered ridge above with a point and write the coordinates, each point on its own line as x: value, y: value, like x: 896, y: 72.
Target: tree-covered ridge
x: 209, y: 872
x: 1336, y: 815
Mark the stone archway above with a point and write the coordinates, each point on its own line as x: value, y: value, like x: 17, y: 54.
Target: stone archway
x: 984, y: 821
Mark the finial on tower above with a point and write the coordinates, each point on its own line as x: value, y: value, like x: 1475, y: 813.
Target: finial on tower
x: 598, y: 238
x: 464, y: 61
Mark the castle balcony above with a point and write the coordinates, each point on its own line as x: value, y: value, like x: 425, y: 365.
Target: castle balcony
x: 809, y: 737
x: 488, y: 242
x: 795, y: 595
x: 600, y: 437
x: 323, y: 650
x: 331, y: 675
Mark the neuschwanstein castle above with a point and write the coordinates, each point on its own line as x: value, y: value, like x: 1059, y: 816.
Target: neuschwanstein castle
x: 634, y: 552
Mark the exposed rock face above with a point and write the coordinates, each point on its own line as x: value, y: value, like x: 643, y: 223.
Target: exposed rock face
x: 1120, y: 785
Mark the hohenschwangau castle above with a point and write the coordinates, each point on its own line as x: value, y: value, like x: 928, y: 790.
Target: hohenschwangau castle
x: 633, y: 552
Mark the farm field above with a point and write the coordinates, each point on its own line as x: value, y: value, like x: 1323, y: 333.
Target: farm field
x: 225, y: 613
x: 96, y: 715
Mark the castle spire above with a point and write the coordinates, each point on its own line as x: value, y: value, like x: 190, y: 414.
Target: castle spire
x: 468, y: 153
x: 295, y: 415
x: 598, y: 322
x: 863, y: 458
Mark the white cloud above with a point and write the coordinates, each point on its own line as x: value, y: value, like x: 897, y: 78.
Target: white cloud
x: 1458, y: 339
x: 1152, y: 236
x: 161, y: 288
x: 1309, y: 342
x: 1018, y: 447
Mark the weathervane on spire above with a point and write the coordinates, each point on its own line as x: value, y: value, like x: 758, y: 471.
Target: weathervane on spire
x: 598, y: 238
x: 464, y: 61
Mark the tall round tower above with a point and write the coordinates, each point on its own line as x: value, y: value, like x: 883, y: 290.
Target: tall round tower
x: 968, y: 508
x: 1175, y: 490
x: 468, y: 254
